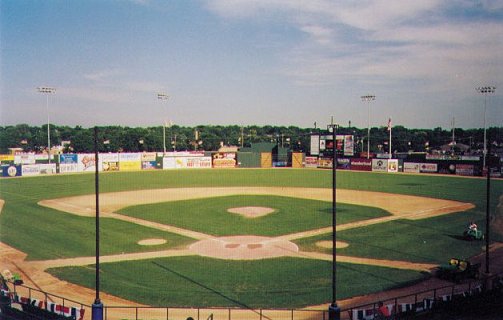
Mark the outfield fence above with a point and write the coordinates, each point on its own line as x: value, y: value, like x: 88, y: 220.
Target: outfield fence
x: 401, y: 307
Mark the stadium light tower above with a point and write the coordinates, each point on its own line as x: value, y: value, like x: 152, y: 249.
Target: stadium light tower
x: 485, y: 91
x: 334, y: 312
x: 47, y: 91
x: 368, y: 98
x: 163, y: 97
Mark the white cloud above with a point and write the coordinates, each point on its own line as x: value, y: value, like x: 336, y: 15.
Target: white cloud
x: 382, y: 39
x: 103, y: 76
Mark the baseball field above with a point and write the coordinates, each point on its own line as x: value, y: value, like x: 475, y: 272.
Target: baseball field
x: 236, y: 238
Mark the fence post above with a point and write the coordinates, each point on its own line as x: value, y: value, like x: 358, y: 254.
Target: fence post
x: 167, y: 313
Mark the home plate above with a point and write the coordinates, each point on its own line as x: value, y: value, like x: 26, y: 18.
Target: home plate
x: 244, y: 248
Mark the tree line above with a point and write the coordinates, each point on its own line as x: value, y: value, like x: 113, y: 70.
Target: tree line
x: 211, y: 138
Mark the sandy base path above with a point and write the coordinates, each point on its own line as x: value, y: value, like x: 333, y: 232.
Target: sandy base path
x: 413, y: 207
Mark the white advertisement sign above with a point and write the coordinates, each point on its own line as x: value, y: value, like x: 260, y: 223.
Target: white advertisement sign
x: 108, y: 157
x: 428, y: 167
x: 315, y: 145
x: 86, y: 162
x: 186, y: 162
x: 411, y: 167
x: 30, y: 170
x: 68, y: 167
x: 129, y: 157
x: 25, y: 158
x: 380, y: 165
x: 393, y: 165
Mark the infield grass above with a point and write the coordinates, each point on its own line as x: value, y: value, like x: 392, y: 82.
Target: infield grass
x: 210, y: 215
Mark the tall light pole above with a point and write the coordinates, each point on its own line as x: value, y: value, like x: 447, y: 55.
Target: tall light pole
x: 163, y: 97
x: 368, y: 98
x: 47, y: 91
x: 334, y: 312
x: 485, y: 91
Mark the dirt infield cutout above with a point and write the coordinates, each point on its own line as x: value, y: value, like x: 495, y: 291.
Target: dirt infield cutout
x: 151, y: 242
x: 244, y: 248
x: 329, y: 245
x: 251, y: 212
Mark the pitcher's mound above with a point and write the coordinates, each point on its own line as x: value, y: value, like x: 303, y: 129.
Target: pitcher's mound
x: 251, y: 212
x: 151, y: 242
x: 244, y: 248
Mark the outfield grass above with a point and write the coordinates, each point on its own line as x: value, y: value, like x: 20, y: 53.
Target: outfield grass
x: 433, y: 240
x: 210, y: 216
x: 206, y: 282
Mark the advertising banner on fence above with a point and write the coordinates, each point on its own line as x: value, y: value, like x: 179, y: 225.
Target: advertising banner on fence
x: 411, y: 167
x: 393, y: 165
x: 224, y: 160
x: 68, y: 158
x: 129, y: 161
x: 465, y: 169
x: 186, y: 162
x: 311, y: 162
x: 25, y: 158
x: 68, y: 163
x: 325, y: 163
x: 86, y: 162
x: 379, y: 165
x: 198, y: 162
x: 30, y: 169
x: 343, y: 163
x: 6, y: 157
x: 428, y: 167
x: 11, y: 171
x: 315, y: 145
x: 361, y: 164
x: 129, y: 165
x: 108, y: 161
x: 68, y: 167
x: 148, y: 156
x: 348, y: 145
x: 148, y: 165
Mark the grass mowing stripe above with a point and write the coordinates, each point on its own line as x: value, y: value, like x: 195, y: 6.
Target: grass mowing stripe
x: 270, y: 283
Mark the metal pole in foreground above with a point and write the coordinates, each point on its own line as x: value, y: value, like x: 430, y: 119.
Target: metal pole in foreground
x: 97, y: 307
x: 488, y: 193
x: 334, y: 312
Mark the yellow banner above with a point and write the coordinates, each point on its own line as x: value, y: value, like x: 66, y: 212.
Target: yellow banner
x: 129, y: 165
x: 6, y: 157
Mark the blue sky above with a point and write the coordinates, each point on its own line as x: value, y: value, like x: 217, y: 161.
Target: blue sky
x: 244, y: 62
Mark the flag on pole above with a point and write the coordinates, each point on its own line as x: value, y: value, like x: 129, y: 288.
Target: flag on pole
x: 389, y: 124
